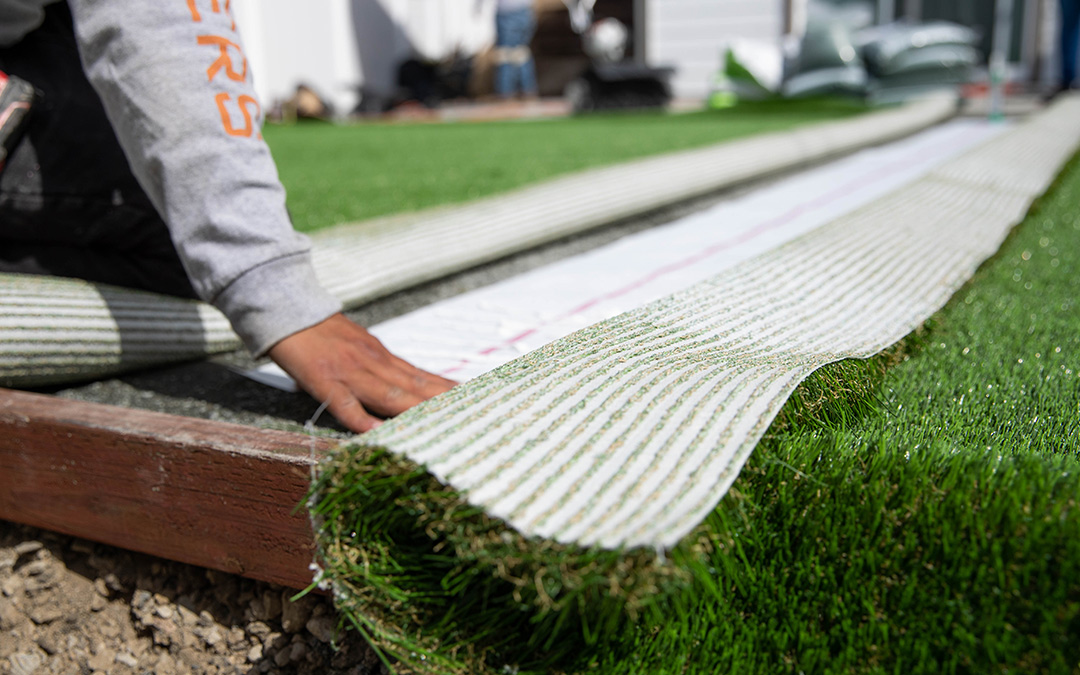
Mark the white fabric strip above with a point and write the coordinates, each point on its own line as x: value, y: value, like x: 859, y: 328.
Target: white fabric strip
x: 471, y: 333
x: 90, y: 339
x: 358, y: 263
x: 628, y: 432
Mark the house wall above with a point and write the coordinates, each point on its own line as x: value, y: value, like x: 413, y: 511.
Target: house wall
x: 690, y: 34
x: 338, y: 46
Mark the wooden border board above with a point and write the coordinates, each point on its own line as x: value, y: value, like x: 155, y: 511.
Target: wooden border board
x: 217, y: 495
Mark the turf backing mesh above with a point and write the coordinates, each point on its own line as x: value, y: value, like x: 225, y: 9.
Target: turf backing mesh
x: 578, y: 476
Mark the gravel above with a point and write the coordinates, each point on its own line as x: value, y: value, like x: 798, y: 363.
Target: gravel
x: 69, y: 606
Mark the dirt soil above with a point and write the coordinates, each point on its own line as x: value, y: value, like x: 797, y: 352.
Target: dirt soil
x: 70, y: 606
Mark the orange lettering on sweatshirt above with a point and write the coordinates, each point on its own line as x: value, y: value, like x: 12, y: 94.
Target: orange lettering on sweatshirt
x: 223, y: 59
x: 229, y: 54
x: 243, y: 102
x: 215, y: 7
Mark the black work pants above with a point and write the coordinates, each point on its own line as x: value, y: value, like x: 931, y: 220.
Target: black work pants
x: 69, y: 204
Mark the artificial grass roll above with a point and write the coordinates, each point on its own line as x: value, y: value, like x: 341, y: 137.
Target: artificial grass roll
x: 928, y: 240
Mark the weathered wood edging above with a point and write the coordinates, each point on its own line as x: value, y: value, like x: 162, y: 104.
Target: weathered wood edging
x: 212, y: 494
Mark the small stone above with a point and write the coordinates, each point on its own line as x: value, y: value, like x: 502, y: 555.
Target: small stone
x: 9, y: 615
x: 35, y: 585
x: 164, y: 632
x: 165, y: 665
x: 322, y: 627
x: 188, y: 617
x: 12, y: 586
x: 257, y: 610
x: 297, y: 651
x: 190, y: 657
x: 281, y: 658
x: 141, y: 601
x: 161, y: 599
x: 48, y: 644
x: 271, y: 601
x: 255, y: 653
x: 35, y: 568
x: 76, y: 643
x: 190, y: 639
x: 213, y: 637
x: 28, y: 547
x: 165, y: 612
x: 102, y: 659
x: 114, y: 584
x: 273, y: 642
x: 98, y: 603
x: 26, y: 663
x: 7, y: 648
x: 45, y: 614
x: 139, y: 646
x: 206, y: 618
x: 127, y: 630
x: 295, y: 614
x: 258, y: 629
x: 101, y: 588
x: 235, y: 637
x: 127, y: 660
x: 109, y: 629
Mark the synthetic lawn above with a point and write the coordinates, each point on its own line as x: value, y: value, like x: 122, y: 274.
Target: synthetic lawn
x: 345, y: 173
x: 916, y: 513
x: 937, y: 531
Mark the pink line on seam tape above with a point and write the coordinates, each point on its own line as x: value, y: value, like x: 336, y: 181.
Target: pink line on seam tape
x: 785, y: 218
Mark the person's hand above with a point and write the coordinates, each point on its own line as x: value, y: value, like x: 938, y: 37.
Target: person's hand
x: 340, y: 363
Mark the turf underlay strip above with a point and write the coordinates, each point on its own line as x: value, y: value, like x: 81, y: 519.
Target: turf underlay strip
x: 848, y: 290
x: 79, y: 336
x: 412, y: 249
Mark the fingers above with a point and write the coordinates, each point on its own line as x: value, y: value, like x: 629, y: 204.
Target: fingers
x: 414, y: 380
x: 422, y: 379
x: 380, y: 392
x: 345, y: 408
x: 340, y: 363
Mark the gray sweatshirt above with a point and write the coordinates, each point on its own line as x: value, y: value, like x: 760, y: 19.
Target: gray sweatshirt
x: 177, y: 89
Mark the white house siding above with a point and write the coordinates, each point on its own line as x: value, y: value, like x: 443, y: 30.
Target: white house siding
x: 339, y: 46
x: 690, y: 34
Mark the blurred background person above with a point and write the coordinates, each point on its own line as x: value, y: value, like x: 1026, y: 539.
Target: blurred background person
x: 1069, y: 35
x: 515, y: 23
